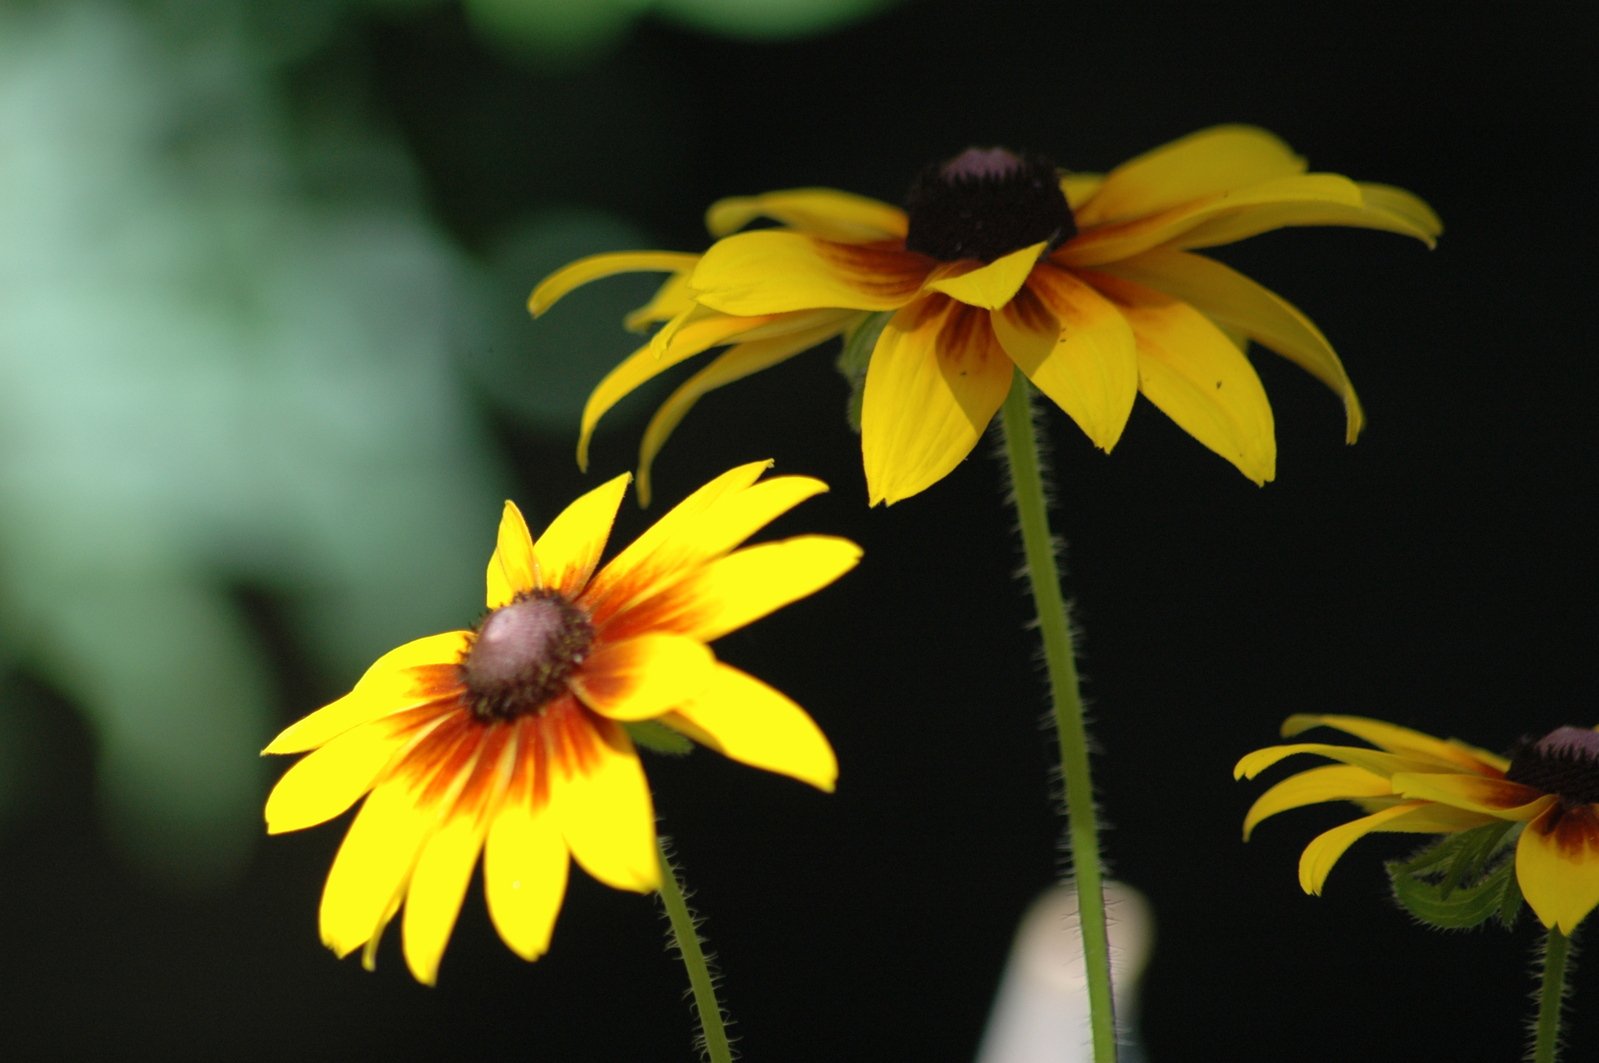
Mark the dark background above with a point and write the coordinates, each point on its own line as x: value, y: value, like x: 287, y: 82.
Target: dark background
x: 1438, y: 574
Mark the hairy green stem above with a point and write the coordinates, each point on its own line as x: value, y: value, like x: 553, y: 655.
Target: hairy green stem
x: 1082, y: 827
x: 1551, y: 994
x: 686, y: 938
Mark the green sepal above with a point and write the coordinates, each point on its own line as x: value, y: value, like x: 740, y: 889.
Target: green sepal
x: 659, y: 738
x: 853, y: 359
x: 1460, y: 881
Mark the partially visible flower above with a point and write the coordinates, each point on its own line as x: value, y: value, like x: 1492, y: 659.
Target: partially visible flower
x: 512, y: 739
x: 1413, y: 782
x: 1087, y: 285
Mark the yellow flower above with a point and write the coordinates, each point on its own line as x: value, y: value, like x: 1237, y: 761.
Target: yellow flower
x: 1087, y: 284
x: 511, y: 739
x: 1416, y: 783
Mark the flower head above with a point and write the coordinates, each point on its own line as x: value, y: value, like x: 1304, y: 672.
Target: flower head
x: 1416, y: 783
x: 1088, y: 285
x: 512, y: 739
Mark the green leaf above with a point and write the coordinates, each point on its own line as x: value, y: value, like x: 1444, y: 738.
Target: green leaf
x: 852, y: 362
x: 1460, y: 881
x: 659, y: 738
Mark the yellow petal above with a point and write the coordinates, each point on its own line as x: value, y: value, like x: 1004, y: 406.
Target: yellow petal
x: 1557, y: 865
x: 1195, y: 375
x: 670, y: 299
x: 330, y: 779
x: 576, y: 274
x: 744, y: 586
x: 733, y: 364
x: 1249, y: 210
x: 746, y: 720
x: 934, y: 382
x: 1079, y: 188
x: 1398, y: 739
x: 641, y: 677
x: 571, y: 546
x: 604, y: 809
x: 1405, y: 205
x: 1230, y: 227
x: 992, y: 285
x: 1091, y: 368
x: 513, y: 568
x: 524, y: 877
x: 438, y: 886
x: 1317, y: 861
x: 400, y: 679
x: 1201, y: 164
x: 819, y: 211
x: 1334, y: 782
x: 637, y: 369
x: 372, y: 866
x: 1373, y: 760
x: 772, y: 271
x: 1231, y: 299
x: 1499, y: 798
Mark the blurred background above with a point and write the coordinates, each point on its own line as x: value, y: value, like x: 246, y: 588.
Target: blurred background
x: 266, y: 374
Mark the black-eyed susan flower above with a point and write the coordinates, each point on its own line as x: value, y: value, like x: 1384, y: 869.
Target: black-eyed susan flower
x: 1089, y: 285
x: 1412, y: 782
x: 511, y: 739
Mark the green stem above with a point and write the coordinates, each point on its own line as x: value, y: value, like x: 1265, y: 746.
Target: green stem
x: 686, y: 938
x: 1551, y: 994
x: 1082, y: 828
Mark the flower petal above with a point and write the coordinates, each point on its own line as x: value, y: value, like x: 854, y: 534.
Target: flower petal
x: 670, y: 299
x: 576, y: 274
x: 733, y: 364
x: 603, y: 806
x: 772, y: 271
x: 822, y: 212
x: 746, y: 720
x: 438, y: 886
x: 513, y: 569
x: 1091, y: 368
x: 1407, y: 218
x: 1233, y: 300
x: 1189, y: 369
x: 641, y: 677
x: 565, y: 555
x: 1201, y: 164
x: 1317, y: 861
x: 1557, y: 864
x: 1396, y: 739
x: 1375, y: 761
x: 372, y: 866
x: 1079, y: 188
x: 1499, y: 798
x: 524, y: 875
x: 331, y: 778
x: 991, y: 285
x: 416, y: 673
x: 935, y: 381
x: 1333, y: 782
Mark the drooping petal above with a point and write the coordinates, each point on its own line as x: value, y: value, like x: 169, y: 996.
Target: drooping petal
x: 1333, y: 782
x: 602, y: 803
x: 1317, y: 861
x: 991, y: 285
x: 576, y: 274
x: 416, y: 673
x: 823, y: 212
x: 438, y: 886
x: 513, y: 568
x: 1201, y: 164
x: 773, y: 271
x: 1405, y: 205
x: 1373, y: 760
x: 1557, y: 864
x: 1195, y: 375
x: 1403, y: 740
x: 1231, y: 299
x: 1500, y: 798
x: 331, y: 778
x: 372, y: 866
x: 1090, y: 370
x: 641, y: 677
x: 570, y: 547
x: 524, y: 875
x: 733, y: 364
x: 935, y: 381
x: 1248, y: 210
x: 746, y: 720
x: 1231, y: 226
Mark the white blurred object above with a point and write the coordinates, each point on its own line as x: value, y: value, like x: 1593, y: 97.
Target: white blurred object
x: 1040, y: 1014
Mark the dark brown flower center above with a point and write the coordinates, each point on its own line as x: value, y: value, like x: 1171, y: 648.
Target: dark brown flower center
x: 985, y: 203
x: 1565, y: 762
x: 522, y: 654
